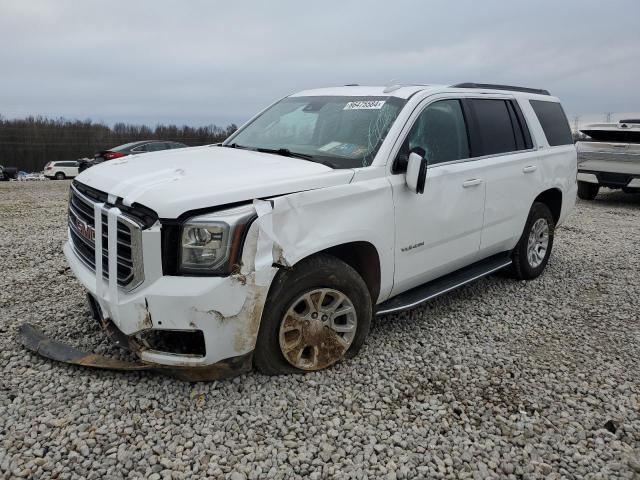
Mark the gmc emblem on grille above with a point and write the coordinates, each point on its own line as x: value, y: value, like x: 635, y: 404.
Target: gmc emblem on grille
x: 87, y: 231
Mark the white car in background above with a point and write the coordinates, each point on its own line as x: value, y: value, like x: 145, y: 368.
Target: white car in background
x: 61, y: 170
x: 276, y: 248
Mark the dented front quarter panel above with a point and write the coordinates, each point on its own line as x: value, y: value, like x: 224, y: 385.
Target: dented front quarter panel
x: 298, y: 225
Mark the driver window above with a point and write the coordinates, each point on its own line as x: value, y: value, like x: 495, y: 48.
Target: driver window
x: 440, y: 131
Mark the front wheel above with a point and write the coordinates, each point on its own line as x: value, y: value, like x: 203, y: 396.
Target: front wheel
x: 316, y: 314
x: 588, y: 191
x: 532, y: 252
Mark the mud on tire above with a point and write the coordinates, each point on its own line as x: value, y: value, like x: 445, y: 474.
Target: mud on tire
x: 320, y: 273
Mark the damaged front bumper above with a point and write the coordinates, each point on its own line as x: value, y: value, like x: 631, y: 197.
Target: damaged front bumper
x: 36, y: 341
x: 214, y: 319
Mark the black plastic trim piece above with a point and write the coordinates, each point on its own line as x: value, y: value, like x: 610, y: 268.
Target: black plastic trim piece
x: 475, y: 141
x: 422, y: 176
x: 523, y: 125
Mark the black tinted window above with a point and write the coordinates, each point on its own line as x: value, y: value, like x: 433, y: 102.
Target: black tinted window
x: 494, y: 127
x: 441, y: 132
x: 155, y: 146
x: 554, y: 122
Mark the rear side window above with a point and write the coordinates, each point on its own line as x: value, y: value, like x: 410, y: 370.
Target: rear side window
x: 153, y: 147
x: 494, y: 127
x: 554, y: 122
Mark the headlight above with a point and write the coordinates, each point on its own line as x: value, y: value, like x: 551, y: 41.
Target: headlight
x: 210, y: 243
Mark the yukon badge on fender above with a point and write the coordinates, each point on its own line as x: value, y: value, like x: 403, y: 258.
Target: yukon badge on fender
x: 275, y: 249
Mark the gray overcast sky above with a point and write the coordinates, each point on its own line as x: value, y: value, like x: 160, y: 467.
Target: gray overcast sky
x: 203, y: 62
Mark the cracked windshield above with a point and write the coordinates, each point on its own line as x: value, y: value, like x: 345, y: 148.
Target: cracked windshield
x: 341, y: 131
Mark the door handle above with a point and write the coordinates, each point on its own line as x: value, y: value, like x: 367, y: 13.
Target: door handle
x: 472, y: 183
x: 529, y: 169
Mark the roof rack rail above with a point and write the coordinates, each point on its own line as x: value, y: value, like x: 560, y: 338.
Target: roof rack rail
x: 491, y: 86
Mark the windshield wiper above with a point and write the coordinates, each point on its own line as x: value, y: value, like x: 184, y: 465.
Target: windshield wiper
x: 285, y: 152
x: 235, y: 145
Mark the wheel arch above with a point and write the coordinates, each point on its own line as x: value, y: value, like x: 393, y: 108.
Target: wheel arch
x: 362, y: 256
x: 552, y: 198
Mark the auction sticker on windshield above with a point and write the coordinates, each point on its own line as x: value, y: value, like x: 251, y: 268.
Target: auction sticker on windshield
x: 364, y: 105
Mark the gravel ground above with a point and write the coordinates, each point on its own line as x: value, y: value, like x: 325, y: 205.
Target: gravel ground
x: 501, y: 379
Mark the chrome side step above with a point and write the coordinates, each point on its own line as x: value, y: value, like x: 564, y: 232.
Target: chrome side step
x: 437, y: 287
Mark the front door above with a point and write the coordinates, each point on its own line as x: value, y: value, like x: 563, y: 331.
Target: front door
x: 439, y: 231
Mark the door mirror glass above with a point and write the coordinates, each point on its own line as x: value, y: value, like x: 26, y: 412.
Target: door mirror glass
x: 416, y: 172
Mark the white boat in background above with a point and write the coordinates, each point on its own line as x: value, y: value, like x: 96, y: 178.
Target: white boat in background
x: 610, y: 158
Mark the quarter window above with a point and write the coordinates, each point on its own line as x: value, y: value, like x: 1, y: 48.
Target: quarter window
x: 553, y: 121
x: 440, y: 131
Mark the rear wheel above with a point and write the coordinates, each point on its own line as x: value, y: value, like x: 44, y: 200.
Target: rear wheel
x: 60, y: 176
x: 532, y: 252
x: 316, y: 314
x: 588, y: 191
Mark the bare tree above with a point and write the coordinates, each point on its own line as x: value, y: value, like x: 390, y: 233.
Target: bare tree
x: 32, y: 142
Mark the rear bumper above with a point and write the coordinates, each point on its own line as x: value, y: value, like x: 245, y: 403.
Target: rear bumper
x: 609, y: 179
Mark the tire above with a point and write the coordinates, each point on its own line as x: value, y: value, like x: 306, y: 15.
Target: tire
x: 527, y: 265
x: 312, y: 338
x: 60, y: 176
x: 588, y: 191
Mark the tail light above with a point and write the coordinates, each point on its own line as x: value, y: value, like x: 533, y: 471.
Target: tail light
x: 112, y: 155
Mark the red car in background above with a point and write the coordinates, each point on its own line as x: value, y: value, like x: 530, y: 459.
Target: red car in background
x: 133, y: 148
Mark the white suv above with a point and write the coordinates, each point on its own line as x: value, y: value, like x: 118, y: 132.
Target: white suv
x: 277, y: 247
x: 61, y: 170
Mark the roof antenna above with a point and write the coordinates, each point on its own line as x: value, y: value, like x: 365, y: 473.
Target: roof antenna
x: 393, y: 87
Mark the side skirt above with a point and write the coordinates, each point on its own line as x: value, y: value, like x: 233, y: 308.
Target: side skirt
x: 427, y: 291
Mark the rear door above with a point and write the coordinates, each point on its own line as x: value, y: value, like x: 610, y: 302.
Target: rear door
x: 70, y: 169
x: 439, y: 231
x: 513, y: 177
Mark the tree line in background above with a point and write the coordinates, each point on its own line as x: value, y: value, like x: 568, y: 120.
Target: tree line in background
x: 31, y: 142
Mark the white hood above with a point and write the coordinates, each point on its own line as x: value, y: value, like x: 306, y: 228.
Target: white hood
x: 175, y: 181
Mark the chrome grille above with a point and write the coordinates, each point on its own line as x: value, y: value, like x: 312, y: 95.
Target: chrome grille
x: 620, y: 156
x: 129, y: 231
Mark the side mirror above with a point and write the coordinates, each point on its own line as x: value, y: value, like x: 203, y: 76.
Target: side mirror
x: 416, y: 173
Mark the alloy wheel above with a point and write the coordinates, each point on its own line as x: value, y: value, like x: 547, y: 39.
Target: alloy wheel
x: 317, y: 329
